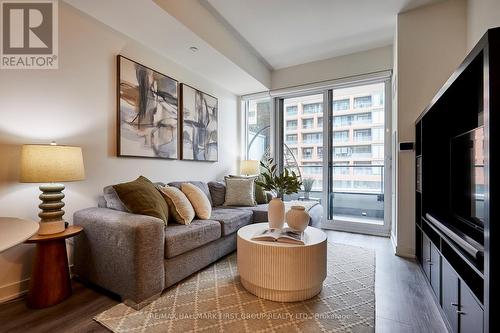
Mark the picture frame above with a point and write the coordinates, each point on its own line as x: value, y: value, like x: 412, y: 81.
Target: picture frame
x: 147, y: 112
x: 199, y: 124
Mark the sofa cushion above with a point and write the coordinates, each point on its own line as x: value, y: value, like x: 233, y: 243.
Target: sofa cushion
x: 179, y: 206
x: 231, y: 219
x: 180, y: 238
x: 142, y: 197
x: 198, y: 200
x: 112, y: 199
x: 217, y: 192
x: 240, y: 191
x: 201, y: 185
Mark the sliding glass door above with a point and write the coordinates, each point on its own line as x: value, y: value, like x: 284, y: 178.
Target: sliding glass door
x: 357, y: 160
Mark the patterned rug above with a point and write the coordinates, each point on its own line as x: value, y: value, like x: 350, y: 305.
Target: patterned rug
x: 213, y: 300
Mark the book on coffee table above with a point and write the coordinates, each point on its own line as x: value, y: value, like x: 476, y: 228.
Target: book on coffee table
x: 285, y: 235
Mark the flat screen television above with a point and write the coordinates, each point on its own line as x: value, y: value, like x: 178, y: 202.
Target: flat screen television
x: 467, y: 183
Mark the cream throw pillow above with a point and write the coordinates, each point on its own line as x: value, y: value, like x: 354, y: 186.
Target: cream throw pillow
x: 198, y: 199
x: 178, y: 204
x: 240, y: 191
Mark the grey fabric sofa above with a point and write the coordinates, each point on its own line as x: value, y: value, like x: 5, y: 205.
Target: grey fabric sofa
x: 137, y: 257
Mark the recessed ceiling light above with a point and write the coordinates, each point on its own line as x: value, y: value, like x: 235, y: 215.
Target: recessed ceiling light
x: 193, y: 49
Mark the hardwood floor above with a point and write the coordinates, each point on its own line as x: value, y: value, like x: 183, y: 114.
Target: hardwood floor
x: 403, y: 301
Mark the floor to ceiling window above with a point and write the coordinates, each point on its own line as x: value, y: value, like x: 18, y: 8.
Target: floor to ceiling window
x: 258, y: 128
x: 336, y: 139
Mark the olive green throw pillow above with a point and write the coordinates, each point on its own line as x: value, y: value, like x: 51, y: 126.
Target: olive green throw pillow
x: 142, y: 197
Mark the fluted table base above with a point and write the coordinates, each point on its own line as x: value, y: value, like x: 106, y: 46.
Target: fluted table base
x: 282, y: 272
x: 281, y: 295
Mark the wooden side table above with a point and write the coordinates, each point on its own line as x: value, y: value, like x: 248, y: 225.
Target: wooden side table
x: 50, y: 281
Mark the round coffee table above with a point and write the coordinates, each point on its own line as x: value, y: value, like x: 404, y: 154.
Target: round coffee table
x: 282, y: 272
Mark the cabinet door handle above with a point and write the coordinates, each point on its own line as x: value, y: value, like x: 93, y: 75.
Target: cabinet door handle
x: 454, y: 304
x: 460, y: 313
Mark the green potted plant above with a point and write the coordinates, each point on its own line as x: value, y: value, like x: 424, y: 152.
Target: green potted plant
x: 281, y: 183
x: 307, y: 184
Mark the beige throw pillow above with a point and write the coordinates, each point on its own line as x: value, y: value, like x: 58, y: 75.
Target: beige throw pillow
x: 178, y: 204
x: 198, y: 199
x: 240, y: 191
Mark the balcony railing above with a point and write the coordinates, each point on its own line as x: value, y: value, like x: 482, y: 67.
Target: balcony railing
x: 356, y: 195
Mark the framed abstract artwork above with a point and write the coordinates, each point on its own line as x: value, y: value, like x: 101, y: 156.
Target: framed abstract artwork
x: 199, y: 125
x: 147, y: 112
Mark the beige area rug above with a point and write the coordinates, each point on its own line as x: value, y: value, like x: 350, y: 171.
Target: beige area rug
x: 214, y: 300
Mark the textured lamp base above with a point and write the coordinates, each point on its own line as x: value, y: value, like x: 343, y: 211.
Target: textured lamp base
x: 51, y: 221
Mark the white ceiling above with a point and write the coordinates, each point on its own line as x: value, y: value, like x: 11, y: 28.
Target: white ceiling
x: 291, y: 32
x: 145, y: 22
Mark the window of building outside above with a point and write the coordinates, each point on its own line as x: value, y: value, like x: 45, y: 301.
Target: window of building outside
x: 341, y: 136
x: 341, y: 104
x: 291, y: 125
x: 312, y: 138
x: 307, y: 123
x: 320, y: 122
x: 361, y: 135
x: 362, y: 102
x: 362, y: 151
x: 291, y: 110
x: 291, y: 138
x: 319, y: 152
x: 363, y: 118
x: 258, y: 129
x: 342, y: 152
x: 307, y: 153
x: 313, y: 108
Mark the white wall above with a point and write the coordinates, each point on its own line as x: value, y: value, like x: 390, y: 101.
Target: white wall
x: 76, y: 105
x: 359, y: 63
x: 431, y: 43
x: 481, y: 15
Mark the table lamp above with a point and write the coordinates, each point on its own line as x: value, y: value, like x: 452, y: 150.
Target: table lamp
x: 50, y: 164
x: 250, y: 167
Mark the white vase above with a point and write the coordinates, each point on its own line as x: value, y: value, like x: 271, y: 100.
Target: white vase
x: 297, y: 218
x: 276, y: 213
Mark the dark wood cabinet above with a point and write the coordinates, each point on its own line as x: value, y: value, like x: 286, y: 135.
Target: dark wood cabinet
x: 463, y: 277
x: 426, y: 256
x: 435, y: 267
x: 470, y: 312
x: 450, y: 294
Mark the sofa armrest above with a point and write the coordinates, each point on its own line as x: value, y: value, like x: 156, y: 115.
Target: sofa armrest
x: 121, y: 252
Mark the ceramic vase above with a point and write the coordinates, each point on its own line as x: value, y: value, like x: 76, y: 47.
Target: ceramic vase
x: 276, y: 213
x: 297, y: 218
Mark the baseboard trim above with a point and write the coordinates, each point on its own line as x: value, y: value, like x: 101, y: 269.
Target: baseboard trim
x: 18, y: 289
x: 405, y: 252
x: 13, y: 290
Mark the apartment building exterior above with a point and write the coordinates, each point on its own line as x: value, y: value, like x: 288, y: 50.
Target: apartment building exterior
x: 357, y: 138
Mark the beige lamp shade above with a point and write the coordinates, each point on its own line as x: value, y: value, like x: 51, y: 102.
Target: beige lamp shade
x: 249, y: 167
x: 51, y: 163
